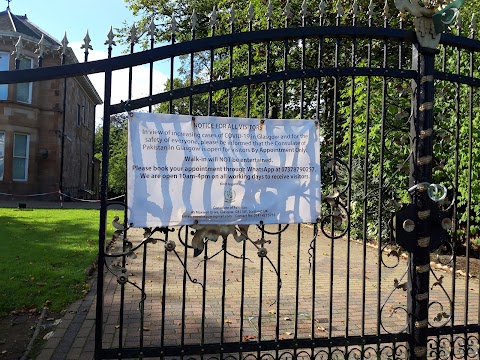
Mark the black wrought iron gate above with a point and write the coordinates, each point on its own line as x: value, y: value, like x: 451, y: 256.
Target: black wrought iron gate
x: 385, y: 273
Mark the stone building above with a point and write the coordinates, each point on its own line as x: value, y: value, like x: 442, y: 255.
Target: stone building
x: 32, y: 119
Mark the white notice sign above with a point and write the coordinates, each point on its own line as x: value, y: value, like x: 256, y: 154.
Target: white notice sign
x: 221, y: 170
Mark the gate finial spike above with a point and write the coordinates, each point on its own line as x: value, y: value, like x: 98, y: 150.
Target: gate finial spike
x: 370, y: 10
x: 304, y: 9
x: 386, y: 10
x: 213, y: 17
x: 18, y: 52
x: 459, y: 23
x: 355, y: 9
x: 473, y: 25
x: 232, y: 15
x: 194, y: 20
x: 110, y: 42
x: 322, y: 8
x: 86, y: 43
x: 251, y: 12
x: 133, y: 35
x: 64, y: 46
x: 269, y: 12
x: 287, y: 11
x: 340, y: 11
x: 41, y: 47
x: 152, y: 29
x: 173, y: 25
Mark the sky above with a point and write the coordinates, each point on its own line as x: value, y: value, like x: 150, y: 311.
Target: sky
x: 75, y: 17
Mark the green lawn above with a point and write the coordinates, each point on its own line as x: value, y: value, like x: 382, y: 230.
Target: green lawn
x: 44, y: 254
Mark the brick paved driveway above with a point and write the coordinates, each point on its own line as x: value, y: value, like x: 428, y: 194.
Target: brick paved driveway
x: 355, y: 294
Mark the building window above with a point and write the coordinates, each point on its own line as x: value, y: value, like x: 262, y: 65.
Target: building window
x: 87, y: 117
x: 24, y: 90
x: 84, y: 109
x: 2, y: 153
x: 4, y: 66
x: 20, y: 157
x: 87, y: 170
x: 79, y: 115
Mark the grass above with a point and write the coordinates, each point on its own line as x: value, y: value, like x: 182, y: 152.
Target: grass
x: 44, y: 254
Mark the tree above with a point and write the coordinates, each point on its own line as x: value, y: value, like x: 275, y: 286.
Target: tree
x: 117, y: 176
x: 341, y: 98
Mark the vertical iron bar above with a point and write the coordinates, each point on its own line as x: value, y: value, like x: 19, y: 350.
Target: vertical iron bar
x: 224, y: 285
x: 279, y: 286
x: 469, y: 198
x: 314, y: 284
x: 302, y: 67
x: 267, y: 70
x: 334, y: 155
x: 125, y: 219
x: 381, y: 186
x: 366, y: 173
x: 421, y: 171
x: 401, y: 45
x: 204, y: 292
x: 142, y: 302
x: 164, y: 294
x: 64, y: 120
x: 472, y: 66
x: 319, y: 65
x: 230, y: 72
x: 172, y: 69
x: 297, y: 288
x: 366, y: 181
x: 103, y: 214
x: 150, y: 84
x: 192, y: 65
x: 184, y: 287
x: 260, y: 295
x: 242, y: 294
x: 212, y: 55
x: 349, y: 194
x: 285, y: 66
x: 249, y: 66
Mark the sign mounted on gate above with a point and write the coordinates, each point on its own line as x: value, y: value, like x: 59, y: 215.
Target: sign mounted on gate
x: 211, y: 170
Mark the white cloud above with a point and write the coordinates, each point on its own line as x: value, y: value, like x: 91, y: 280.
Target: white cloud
x: 140, y: 83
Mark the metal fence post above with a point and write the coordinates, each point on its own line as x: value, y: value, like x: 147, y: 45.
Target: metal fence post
x: 421, y: 128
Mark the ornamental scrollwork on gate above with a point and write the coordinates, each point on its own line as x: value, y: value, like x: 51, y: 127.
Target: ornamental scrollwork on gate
x: 335, y: 221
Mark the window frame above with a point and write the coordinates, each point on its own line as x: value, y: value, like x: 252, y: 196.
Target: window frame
x: 79, y: 111
x: 29, y: 84
x: 2, y: 154
x: 26, y: 158
x: 4, y: 68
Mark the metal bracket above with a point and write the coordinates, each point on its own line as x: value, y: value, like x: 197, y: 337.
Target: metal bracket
x: 406, y: 222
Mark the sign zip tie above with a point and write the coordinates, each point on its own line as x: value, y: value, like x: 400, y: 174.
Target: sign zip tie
x: 262, y: 122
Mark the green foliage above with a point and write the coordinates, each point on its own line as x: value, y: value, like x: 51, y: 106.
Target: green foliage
x: 117, y: 175
x: 45, y: 253
x: 364, y: 121
x: 457, y: 150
